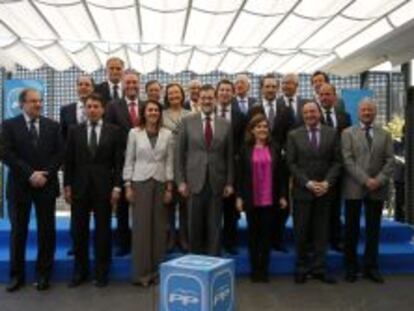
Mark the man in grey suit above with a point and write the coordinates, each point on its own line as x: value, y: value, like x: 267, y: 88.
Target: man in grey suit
x: 204, y: 172
x: 314, y: 159
x: 369, y: 161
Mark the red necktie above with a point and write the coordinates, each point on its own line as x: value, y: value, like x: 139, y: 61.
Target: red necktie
x: 133, y: 114
x: 208, y: 132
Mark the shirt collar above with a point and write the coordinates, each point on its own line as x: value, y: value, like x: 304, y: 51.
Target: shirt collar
x: 98, y: 124
x: 111, y: 85
x: 363, y: 126
x: 318, y: 127
x: 28, y: 119
x: 239, y: 99
x: 204, y: 116
x: 287, y: 98
x: 265, y: 101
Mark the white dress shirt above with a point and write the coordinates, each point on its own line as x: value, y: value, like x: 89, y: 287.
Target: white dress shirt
x: 28, y: 122
x: 293, y: 104
x: 266, y: 106
x: 227, y: 113
x: 136, y: 108
x: 80, y: 112
x: 111, y: 89
x: 333, y: 116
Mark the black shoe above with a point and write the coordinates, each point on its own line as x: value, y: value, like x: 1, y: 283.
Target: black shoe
x: 101, y: 282
x: 231, y: 250
x: 122, y: 251
x: 338, y: 247
x: 351, y: 277
x: 374, y: 276
x: 15, y: 284
x: 300, y: 278
x: 324, y: 278
x: 42, y: 284
x: 77, y: 280
x: 280, y: 248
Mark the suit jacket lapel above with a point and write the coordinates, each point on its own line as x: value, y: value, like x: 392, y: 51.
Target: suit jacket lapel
x: 84, y: 138
x: 217, y: 132
x: 125, y: 112
x: 199, y: 128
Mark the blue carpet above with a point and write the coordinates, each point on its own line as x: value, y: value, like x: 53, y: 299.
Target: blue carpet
x: 396, y: 252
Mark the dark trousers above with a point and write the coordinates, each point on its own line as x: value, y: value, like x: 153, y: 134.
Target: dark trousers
x: 373, y: 211
x: 19, y: 213
x: 279, y: 218
x: 259, y: 221
x: 179, y: 236
x: 101, y: 209
x: 230, y: 219
x: 399, y: 213
x: 311, y: 217
x: 123, y: 231
x: 205, y: 212
x: 335, y: 224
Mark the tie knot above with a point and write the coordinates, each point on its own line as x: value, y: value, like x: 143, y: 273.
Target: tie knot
x: 94, y: 124
x: 314, y: 129
x: 208, y: 118
x: 132, y: 103
x: 33, y: 121
x: 290, y: 99
x: 328, y: 111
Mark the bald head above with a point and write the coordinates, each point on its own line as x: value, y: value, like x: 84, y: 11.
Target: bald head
x: 290, y: 83
x: 242, y: 85
x: 367, y: 111
x: 327, y: 95
x: 311, y: 114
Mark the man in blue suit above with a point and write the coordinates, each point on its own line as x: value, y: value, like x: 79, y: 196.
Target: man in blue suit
x: 33, y: 152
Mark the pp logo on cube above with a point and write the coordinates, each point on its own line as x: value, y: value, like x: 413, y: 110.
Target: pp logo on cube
x: 222, y: 291
x: 184, y: 293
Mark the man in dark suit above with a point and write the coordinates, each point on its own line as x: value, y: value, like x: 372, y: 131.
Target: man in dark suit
x: 124, y: 113
x: 33, y: 151
x: 339, y: 120
x: 280, y: 120
x: 111, y: 89
x: 314, y: 159
x: 242, y: 98
x: 204, y: 172
x: 93, y: 166
x: 227, y: 108
x: 192, y: 103
x: 368, y: 155
x: 73, y: 114
x: 291, y: 99
x: 317, y: 79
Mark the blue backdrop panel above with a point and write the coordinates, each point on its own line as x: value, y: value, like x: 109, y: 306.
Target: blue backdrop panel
x: 352, y: 97
x: 11, y: 108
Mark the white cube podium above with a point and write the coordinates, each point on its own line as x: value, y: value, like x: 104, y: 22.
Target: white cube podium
x: 197, y: 283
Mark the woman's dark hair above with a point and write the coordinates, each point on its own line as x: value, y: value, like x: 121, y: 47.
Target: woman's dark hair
x: 254, y: 121
x: 143, y: 120
x: 170, y: 85
x: 151, y: 82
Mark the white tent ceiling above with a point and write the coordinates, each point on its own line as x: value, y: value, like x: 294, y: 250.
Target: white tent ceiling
x: 198, y: 35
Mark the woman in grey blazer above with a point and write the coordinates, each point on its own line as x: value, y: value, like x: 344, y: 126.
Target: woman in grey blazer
x: 148, y: 175
x: 172, y: 116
